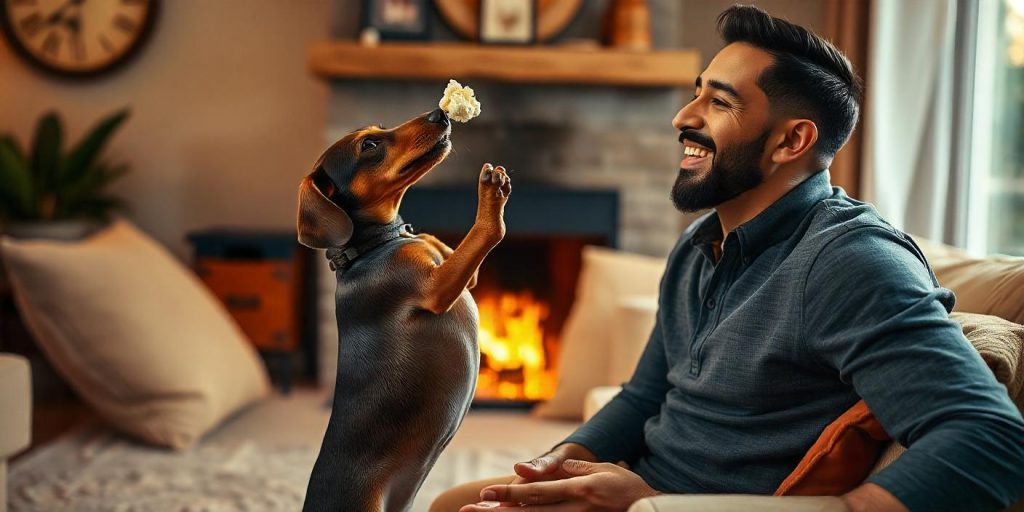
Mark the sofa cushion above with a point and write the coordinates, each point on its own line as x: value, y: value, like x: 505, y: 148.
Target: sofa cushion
x: 16, y: 404
x: 134, y: 332
x: 848, y: 450
x: 606, y: 276
x: 993, y: 285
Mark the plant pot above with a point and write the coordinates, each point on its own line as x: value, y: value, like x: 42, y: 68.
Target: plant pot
x: 64, y: 230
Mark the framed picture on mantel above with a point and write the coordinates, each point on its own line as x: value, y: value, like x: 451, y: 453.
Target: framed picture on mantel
x: 398, y: 19
x: 508, y: 21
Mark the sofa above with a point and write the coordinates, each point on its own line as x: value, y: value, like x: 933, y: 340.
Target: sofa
x: 987, y: 286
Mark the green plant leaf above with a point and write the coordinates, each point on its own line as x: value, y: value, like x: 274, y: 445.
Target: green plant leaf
x: 9, y: 141
x: 15, y: 185
x: 46, y: 157
x: 75, y: 195
x: 80, y: 160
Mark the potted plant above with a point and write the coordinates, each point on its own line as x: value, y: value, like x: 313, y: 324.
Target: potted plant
x: 46, y: 193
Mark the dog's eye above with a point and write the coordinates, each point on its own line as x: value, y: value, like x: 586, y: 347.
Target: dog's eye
x: 368, y: 144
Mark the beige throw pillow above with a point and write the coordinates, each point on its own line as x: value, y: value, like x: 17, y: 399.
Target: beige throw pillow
x: 635, y: 317
x: 134, y: 332
x: 606, y: 277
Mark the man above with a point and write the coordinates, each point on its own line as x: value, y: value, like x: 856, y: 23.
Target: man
x: 779, y: 311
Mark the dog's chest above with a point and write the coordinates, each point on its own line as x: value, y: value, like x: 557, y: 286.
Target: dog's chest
x: 377, y: 306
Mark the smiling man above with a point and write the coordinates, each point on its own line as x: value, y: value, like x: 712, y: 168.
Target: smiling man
x: 780, y: 310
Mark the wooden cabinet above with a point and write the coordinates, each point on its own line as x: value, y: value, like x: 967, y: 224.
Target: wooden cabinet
x: 261, y: 278
x: 262, y: 296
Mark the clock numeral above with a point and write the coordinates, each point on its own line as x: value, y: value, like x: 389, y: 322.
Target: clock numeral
x: 78, y: 48
x: 52, y: 43
x: 106, y: 44
x: 32, y: 24
x: 125, y: 23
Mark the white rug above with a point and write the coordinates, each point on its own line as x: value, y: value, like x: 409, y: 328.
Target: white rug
x: 96, y: 470
x: 252, y: 463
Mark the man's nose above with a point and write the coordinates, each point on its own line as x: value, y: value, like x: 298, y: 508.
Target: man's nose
x: 438, y: 116
x: 688, y: 117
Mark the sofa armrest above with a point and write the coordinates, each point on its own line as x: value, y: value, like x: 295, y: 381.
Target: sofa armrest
x: 597, y: 398
x: 16, y: 404
x: 738, y: 503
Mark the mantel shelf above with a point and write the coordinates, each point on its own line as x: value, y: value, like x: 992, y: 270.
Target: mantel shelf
x: 516, y: 64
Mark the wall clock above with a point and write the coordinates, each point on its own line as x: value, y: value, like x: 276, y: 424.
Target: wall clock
x: 77, y: 38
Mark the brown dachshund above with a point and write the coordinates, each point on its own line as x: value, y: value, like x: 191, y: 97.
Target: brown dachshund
x: 407, y: 326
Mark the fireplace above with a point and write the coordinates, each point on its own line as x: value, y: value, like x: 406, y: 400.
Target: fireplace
x: 526, y: 285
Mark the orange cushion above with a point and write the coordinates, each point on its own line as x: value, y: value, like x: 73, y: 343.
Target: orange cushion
x: 841, y: 458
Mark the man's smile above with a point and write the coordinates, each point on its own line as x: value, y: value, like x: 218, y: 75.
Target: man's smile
x: 695, y: 156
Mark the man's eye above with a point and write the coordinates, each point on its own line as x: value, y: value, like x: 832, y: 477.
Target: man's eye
x: 720, y: 103
x: 694, y: 98
x: 368, y: 144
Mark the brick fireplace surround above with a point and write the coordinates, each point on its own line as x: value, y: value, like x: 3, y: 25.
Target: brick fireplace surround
x: 574, y: 137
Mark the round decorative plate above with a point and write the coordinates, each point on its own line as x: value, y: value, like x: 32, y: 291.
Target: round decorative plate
x: 463, y: 16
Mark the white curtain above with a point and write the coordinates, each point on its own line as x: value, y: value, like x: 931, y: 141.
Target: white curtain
x: 917, y: 115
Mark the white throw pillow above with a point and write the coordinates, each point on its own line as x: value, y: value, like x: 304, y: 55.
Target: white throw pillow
x: 135, y: 332
x: 606, y: 276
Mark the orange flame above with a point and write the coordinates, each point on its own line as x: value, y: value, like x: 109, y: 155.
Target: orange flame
x: 512, y: 338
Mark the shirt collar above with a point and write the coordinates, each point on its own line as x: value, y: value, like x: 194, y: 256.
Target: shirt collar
x: 774, y: 224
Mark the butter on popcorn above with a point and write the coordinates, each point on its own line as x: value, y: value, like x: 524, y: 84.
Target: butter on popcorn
x: 459, y: 102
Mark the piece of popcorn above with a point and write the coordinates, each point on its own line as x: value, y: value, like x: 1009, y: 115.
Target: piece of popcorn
x: 459, y: 102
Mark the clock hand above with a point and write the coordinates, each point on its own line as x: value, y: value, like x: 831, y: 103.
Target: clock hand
x: 58, y: 15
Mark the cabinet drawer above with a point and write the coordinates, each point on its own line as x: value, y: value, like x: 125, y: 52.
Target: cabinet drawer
x: 260, y: 295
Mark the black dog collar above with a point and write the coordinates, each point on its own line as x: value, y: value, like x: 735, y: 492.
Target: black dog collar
x: 339, y: 258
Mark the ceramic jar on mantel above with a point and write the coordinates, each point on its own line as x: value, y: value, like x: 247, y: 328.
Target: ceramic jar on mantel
x: 627, y: 25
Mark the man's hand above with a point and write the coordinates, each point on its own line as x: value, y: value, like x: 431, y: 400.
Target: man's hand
x: 590, y: 486
x: 549, y: 466
x: 872, y: 497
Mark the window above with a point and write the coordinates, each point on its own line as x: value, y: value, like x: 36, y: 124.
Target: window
x: 996, y: 216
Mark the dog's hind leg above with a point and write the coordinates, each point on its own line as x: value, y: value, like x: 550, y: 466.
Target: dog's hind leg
x: 404, y: 485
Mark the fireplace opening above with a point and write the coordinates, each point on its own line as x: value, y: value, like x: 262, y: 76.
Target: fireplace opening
x: 525, y: 289
x: 526, y: 285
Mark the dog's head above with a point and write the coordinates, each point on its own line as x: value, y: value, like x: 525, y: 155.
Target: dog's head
x: 364, y: 175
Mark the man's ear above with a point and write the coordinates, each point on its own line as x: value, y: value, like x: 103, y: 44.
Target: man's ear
x: 321, y: 223
x: 798, y: 137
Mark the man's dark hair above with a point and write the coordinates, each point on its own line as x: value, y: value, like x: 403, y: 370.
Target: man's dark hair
x: 810, y: 77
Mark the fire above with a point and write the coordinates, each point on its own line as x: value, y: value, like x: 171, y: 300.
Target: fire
x: 512, y: 342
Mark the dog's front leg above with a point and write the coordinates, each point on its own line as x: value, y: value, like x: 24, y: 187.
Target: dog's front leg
x: 448, y: 279
x: 445, y: 251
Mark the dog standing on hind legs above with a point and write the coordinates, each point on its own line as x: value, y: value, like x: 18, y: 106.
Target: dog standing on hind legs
x: 408, y: 356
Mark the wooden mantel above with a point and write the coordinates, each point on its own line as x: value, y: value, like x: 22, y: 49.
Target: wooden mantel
x: 517, y: 64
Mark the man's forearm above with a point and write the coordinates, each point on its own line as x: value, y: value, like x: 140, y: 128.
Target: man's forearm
x: 616, y: 432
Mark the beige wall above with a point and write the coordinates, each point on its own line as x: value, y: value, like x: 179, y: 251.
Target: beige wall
x: 697, y: 28
x: 225, y: 117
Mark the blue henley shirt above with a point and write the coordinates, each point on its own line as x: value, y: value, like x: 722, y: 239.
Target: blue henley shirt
x: 814, y: 304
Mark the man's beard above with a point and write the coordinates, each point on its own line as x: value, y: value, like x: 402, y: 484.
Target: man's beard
x: 732, y: 173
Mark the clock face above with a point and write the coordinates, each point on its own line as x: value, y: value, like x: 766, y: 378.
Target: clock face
x: 77, y: 37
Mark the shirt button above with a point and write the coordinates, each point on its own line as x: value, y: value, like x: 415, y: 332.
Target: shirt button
x: 710, y: 304
x: 746, y: 260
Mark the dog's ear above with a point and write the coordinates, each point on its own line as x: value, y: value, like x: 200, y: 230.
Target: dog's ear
x: 321, y: 223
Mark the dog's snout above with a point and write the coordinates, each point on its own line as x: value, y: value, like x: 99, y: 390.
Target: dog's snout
x: 438, y: 116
